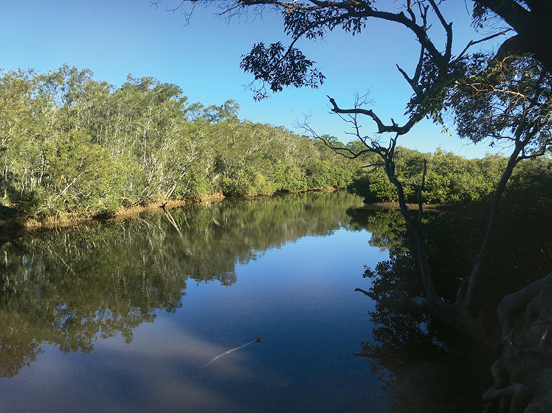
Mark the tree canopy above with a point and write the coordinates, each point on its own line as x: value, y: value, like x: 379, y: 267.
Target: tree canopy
x: 527, y: 20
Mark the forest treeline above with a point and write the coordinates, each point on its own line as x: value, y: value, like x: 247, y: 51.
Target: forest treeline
x: 72, y: 143
x: 449, y: 178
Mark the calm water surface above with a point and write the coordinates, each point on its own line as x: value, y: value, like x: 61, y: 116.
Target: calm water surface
x: 125, y: 318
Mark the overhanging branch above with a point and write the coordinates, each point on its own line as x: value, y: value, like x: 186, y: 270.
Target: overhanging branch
x: 382, y: 128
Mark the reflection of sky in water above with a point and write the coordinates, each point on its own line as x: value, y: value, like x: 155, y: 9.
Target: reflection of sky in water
x: 300, y: 298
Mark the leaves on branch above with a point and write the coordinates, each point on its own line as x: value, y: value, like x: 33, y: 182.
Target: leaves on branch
x: 313, y: 23
x: 507, y: 100
x: 279, y: 67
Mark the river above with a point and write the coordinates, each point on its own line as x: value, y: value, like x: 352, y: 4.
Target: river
x: 161, y: 313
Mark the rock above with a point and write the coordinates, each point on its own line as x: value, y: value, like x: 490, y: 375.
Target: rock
x: 523, y: 375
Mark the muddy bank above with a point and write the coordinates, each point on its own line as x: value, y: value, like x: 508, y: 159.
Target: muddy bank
x: 11, y: 219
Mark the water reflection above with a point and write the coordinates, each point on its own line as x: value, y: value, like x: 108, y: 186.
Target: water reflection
x: 430, y: 367
x: 70, y: 287
x: 212, y: 279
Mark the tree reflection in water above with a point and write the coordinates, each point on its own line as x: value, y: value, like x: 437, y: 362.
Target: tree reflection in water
x: 402, y: 340
x: 428, y: 365
x: 69, y: 287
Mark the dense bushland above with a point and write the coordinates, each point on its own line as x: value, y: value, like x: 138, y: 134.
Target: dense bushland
x: 449, y: 178
x: 71, y: 143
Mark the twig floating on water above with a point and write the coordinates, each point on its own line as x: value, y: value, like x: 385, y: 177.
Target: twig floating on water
x: 257, y: 340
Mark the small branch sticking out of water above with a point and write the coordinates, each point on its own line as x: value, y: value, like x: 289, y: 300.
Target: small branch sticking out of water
x: 257, y: 340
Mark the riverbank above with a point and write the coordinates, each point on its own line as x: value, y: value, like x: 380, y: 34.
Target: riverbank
x: 411, y: 207
x: 11, y: 219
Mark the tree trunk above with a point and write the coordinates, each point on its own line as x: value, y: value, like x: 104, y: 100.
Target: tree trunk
x: 427, y: 280
x: 476, y: 274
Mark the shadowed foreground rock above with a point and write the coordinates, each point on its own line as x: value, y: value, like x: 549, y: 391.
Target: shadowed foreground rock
x: 523, y: 375
x: 453, y: 384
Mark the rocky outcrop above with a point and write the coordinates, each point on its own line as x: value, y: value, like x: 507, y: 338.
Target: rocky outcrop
x: 523, y: 375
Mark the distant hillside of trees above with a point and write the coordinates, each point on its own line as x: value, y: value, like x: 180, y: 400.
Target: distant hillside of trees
x: 72, y: 143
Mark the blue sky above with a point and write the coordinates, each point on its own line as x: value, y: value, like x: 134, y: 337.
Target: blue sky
x: 115, y: 38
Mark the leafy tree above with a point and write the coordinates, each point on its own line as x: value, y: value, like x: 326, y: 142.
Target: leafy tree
x: 16, y: 124
x: 286, y: 176
x: 449, y: 178
x: 69, y: 143
x: 80, y: 175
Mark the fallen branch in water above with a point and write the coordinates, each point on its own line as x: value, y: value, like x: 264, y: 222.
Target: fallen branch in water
x: 257, y: 340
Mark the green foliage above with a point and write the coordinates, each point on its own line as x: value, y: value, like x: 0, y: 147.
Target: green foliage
x: 449, y: 178
x: 196, y: 182
x: 287, y: 176
x: 318, y: 174
x: 280, y: 67
x: 80, y: 175
x: 70, y: 143
x: 504, y: 100
x: 324, y: 174
x: 374, y: 186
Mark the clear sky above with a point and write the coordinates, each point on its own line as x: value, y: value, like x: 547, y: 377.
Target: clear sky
x: 117, y: 37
